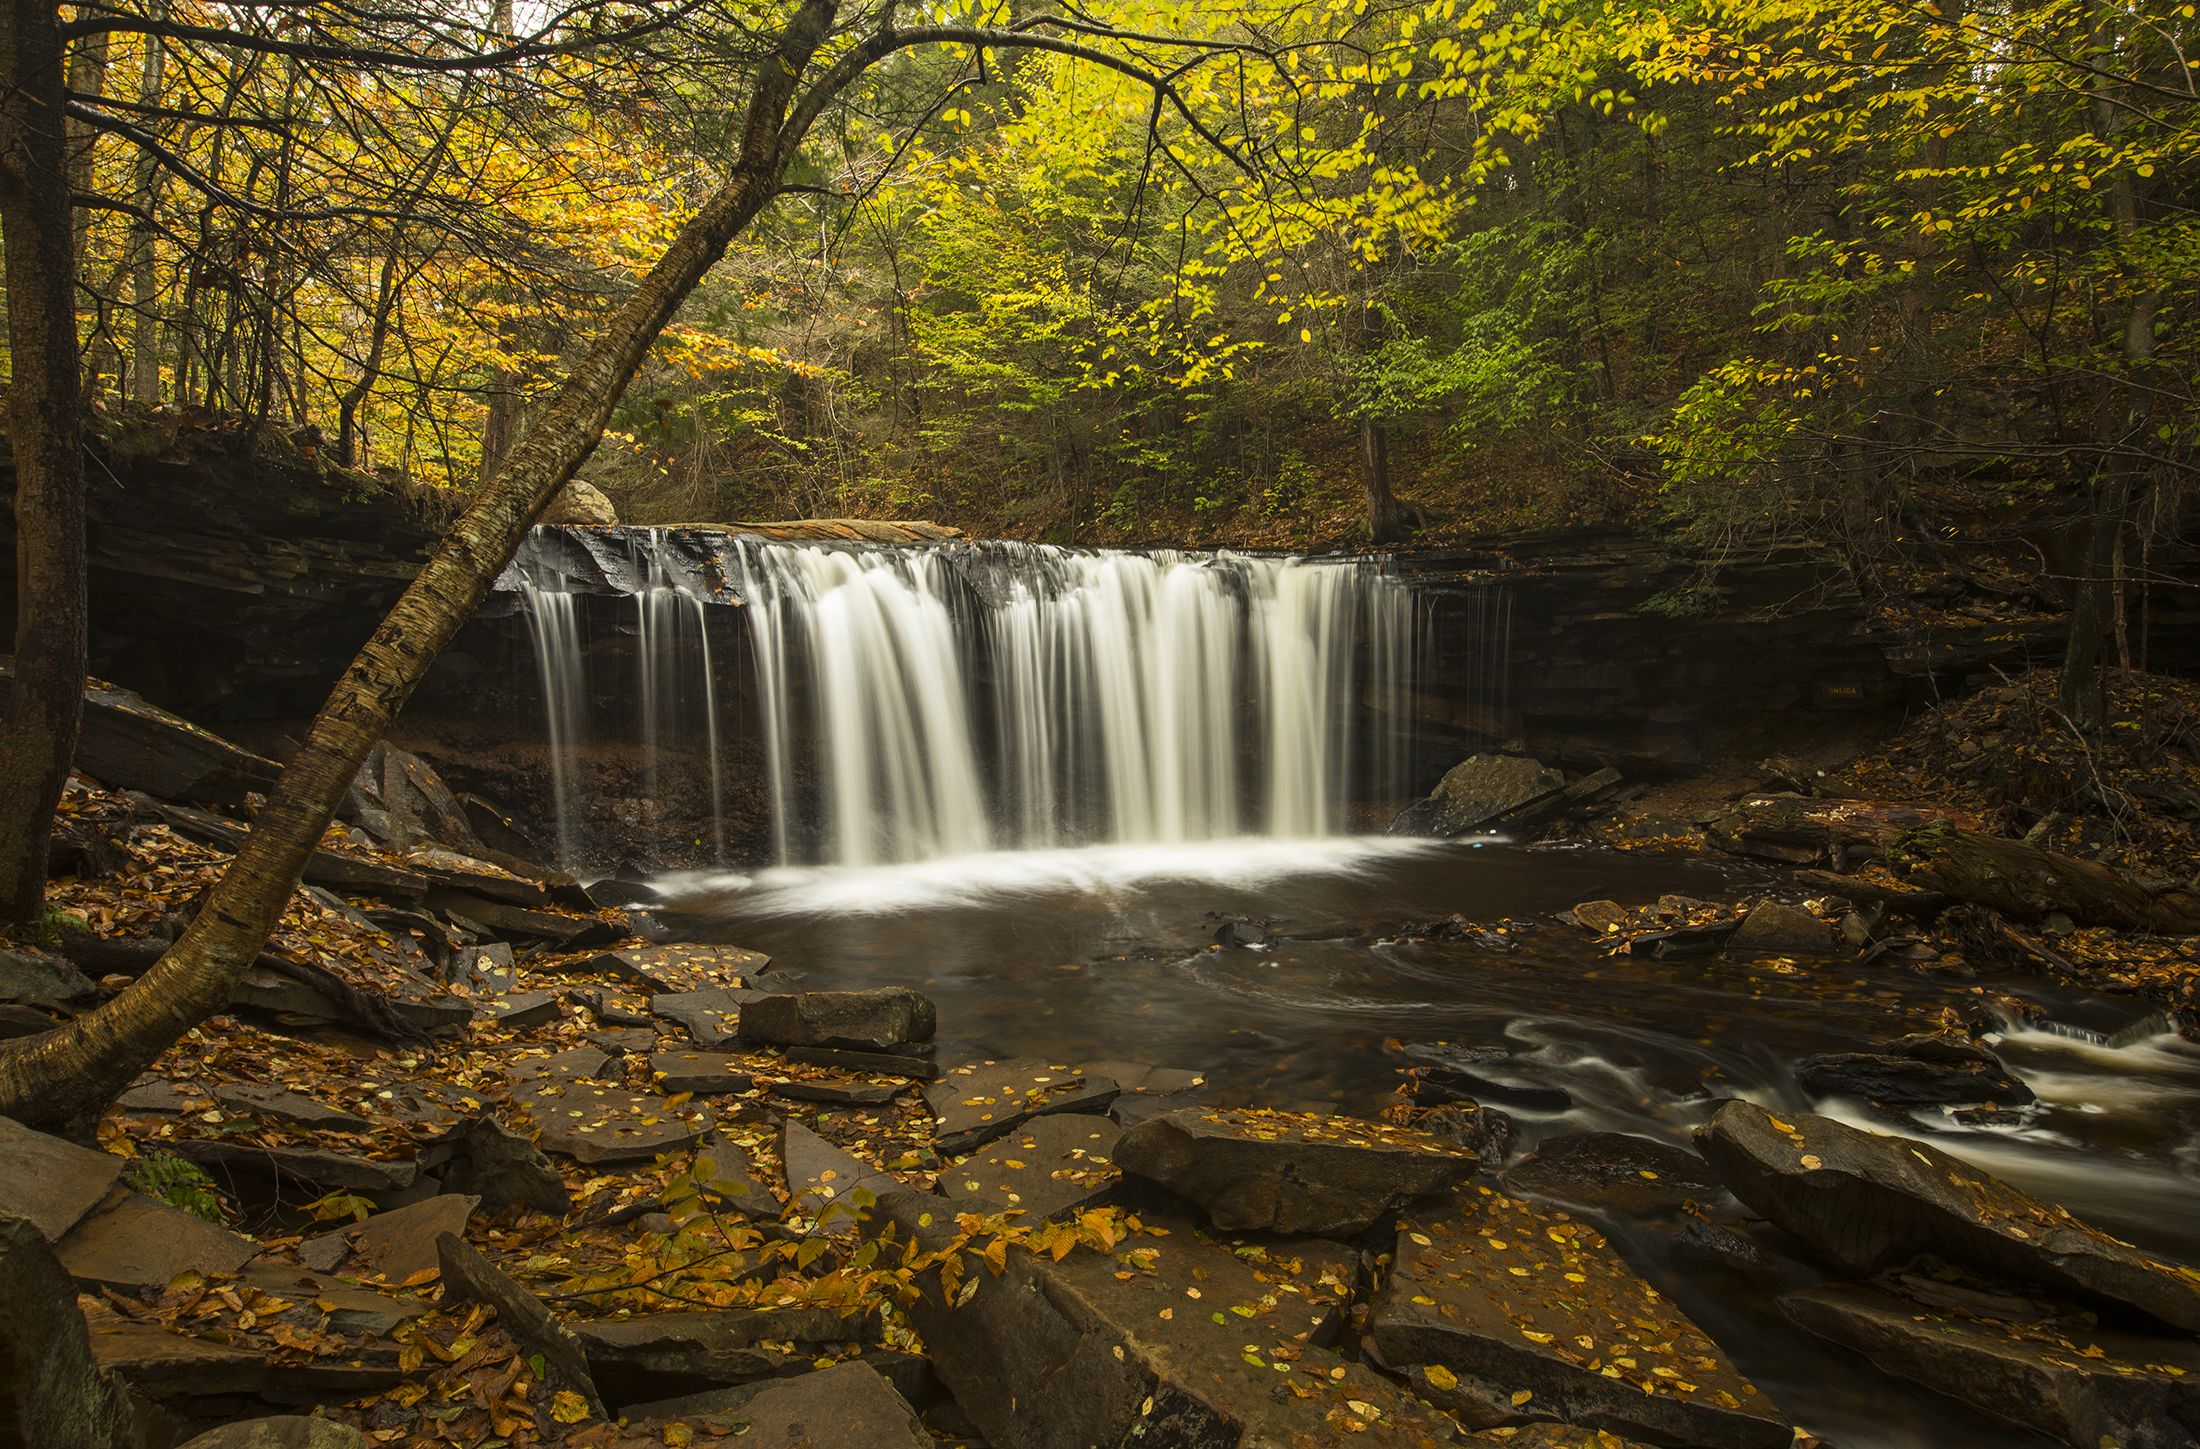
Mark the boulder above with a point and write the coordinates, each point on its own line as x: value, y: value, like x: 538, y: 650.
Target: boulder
x: 1864, y: 1202
x: 2124, y: 1389
x: 1479, y: 793
x: 128, y: 744
x: 1614, y: 1172
x: 1049, y: 1167
x: 1602, y: 917
x: 467, y: 1275
x: 848, y: 1406
x: 52, y: 1389
x: 1203, y: 1342
x: 582, y: 503
x: 141, y: 1242
x: 1904, y: 1080
x: 401, y: 801
x: 976, y: 1103
x: 282, y: 1431
x: 1290, y: 1172
x: 52, y: 1182
x: 1773, y: 929
x: 1527, y: 1310
x: 42, y: 980
x: 499, y: 1167
x: 851, y: 1019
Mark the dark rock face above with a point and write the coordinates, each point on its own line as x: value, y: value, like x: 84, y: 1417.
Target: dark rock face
x: 1477, y: 793
x: 1290, y: 1172
x: 52, y: 1390
x: 1773, y: 929
x: 41, y: 980
x: 397, y: 1244
x: 852, y: 1019
x: 1614, y: 1172
x: 303, y: 1164
x: 978, y: 1102
x: 1046, y: 1168
x: 1865, y: 1202
x: 2140, y: 1393
x: 1183, y: 1351
x: 1504, y: 1298
x: 1906, y: 1081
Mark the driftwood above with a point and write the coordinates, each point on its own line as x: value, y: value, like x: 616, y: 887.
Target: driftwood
x: 1803, y: 832
x: 1917, y: 905
x: 2026, y: 883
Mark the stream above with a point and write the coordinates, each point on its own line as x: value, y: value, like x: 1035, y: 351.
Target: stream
x: 1108, y: 953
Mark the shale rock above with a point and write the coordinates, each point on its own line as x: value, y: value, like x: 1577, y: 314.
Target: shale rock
x: 1479, y: 793
x: 349, y: 1309
x: 877, y: 1063
x: 827, y: 1183
x: 699, y: 1072
x: 30, y: 976
x: 708, y: 1015
x: 1864, y: 1202
x: 728, y: 1179
x: 661, y: 1354
x: 397, y: 1244
x: 484, y: 1158
x: 1049, y: 1167
x: 1184, y: 1351
x: 1903, y: 1079
x: 140, y: 1242
x: 1505, y: 1298
x: 1773, y: 929
x: 283, y: 1431
x: 401, y: 801
x: 2118, y: 1388
x: 1290, y: 1172
x: 848, y: 1406
x: 127, y: 743
x: 600, y: 1125
x: 279, y: 1105
x: 468, y: 1275
x: 52, y: 1182
x: 1614, y: 1172
x: 978, y: 1102
x: 1483, y: 1131
x: 52, y: 1390
x: 301, y: 1164
x: 850, y: 1019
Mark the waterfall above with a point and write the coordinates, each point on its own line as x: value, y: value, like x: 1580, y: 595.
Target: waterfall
x: 915, y: 704
x: 556, y: 635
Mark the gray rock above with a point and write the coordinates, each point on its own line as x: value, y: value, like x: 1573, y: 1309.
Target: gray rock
x: 707, y: 1015
x: 601, y: 1125
x: 521, y: 1010
x: 1864, y: 1202
x: 52, y: 1389
x: 400, y: 798
x: 877, y: 1063
x: 660, y: 1354
x: 664, y: 968
x: 468, y: 1275
x: 1507, y: 1297
x: 41, y: 980
x: 850, y: 1019
x: 1049, y: 1167
x: 483, y: 1157
x: 302, y: 1164
x: 848, y: 1406
x: 1479, y: 793
x: 52, y: 1182
x: 163, y: 1365
x: 141, y: 1242
x: 725, y: 1173
x: 155, y: 1095
x: 1906, y: 1081
x: 1290, y: 1172
x: 575, y: 1064
x: 349, y: 1308
x: 2122, y: 1397
x: 1614, y: 1172
x: 703, y: 1073
x: 283, y: 1431
x: 976, y: 1103
x: 397, y: 1244
x: 847, y: 1094
x: 280, y: 1105
x: 828, y: 1184
x: 1051, y: 1354
x: 1773, y: 929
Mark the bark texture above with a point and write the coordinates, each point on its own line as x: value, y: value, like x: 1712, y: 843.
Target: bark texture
x: 2026, y: 882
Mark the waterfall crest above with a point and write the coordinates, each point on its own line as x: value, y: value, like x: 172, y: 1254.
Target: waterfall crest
x: 922, y: 703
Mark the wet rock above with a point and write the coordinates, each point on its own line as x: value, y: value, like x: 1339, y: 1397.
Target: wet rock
x: 1290, y: 1172
x: 1864, y: 1202
x: 2123, y: 1389
x: 397, y: 1244
x: 1048, y: 1167
x: 1185, y: 1350
x: 1773, y: 929
x: 1480, y: 793
x: 699, y: 1072
x: 851, y: 1019
x: 282, y: 1431
x: 660, y: 1354
x: 1446, y: 1073
x: 1507, y: 1298
x: 469, y: 1276
x: 52, y: 1389
x: 277, y: 1104
x: 877, y: 1063
x: 828, y: 1184
x: 485, y: 1160
x: 1483, y: 1131
x: 301, y: 1164
x: 978, y: 1102
x: 140, y: 1242
x: 1614, y: 1172
x: 42, y: 980
x: 1714, y: 1243
x: 1912, y: 1080
x: 52, y: 1182
x: 602, y: 1125
x: 1602, y: 917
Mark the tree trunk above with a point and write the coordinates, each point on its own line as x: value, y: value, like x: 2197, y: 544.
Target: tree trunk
x: 67, y: 1076
x: 38, y: 730
x: 2026, y: 882
x: 144, y: 179
x: 1382, y: 509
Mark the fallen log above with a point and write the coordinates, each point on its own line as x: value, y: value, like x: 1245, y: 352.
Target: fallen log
x: 1802, y: 831
x: 1918, y: 905
x: 2025, y: 882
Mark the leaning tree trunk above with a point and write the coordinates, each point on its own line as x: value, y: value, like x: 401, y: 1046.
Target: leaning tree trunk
x: 2026, y: 882
x: 66, y: 1077
x: 38, y: 729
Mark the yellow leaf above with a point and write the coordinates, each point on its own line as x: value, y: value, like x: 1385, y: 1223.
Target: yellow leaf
x: 568, y: 1407
x: 1442, y: 1377
x: 1522, y: 1396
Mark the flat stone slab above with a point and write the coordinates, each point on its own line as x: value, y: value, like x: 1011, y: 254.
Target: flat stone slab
x: 1506, y: 1297
x: 1614, y: 1172
x: 350, y: 1308
x: 1046, y: 1168
x: 1864, y: 1202
x: 52, y: 1182
x: 848, y: 1406
x: 884, y: 1064
x: 976, y: 1103
x: 279, y: 1104
x: 700, y: 1072
x: 633, y: 1357
x: 141, y: 1242
x: 1172, y: 1340
x: 597, y: 1125
x: 2064, y: 1378
x: 397, y: 1244
x: 853, y: 1019
x: 519, y: 1010
x: 666, y: 968
x: 1142, y: 1077
x: 165, y: 1365
x: 575, y: 1064
x: 1290, y: 1172
x: 851, y: 1094
x: 304, y: 1164
x: 728, y: 1177
x: 708, y: 1015
x: 824, y: 1180
x: 1908, y: 1081
x: 483, y: 878
x: 157, y: 1095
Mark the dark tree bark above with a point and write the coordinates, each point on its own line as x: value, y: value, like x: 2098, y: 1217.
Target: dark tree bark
x: 1383, y: 524
x: 44, y: 410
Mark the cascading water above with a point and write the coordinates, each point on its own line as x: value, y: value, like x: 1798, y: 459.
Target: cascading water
x: 915, y: 704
